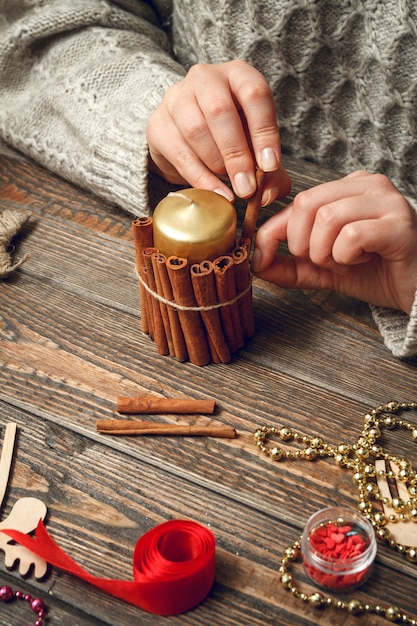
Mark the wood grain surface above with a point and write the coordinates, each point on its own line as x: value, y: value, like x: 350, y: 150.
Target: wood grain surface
x: 70, y: 344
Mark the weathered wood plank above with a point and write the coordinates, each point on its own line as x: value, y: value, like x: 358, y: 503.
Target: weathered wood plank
x: 70, y: 344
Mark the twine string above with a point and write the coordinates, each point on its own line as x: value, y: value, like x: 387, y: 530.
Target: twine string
x: 181, y: 307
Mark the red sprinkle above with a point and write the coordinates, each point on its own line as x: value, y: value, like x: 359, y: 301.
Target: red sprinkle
x: 336, y: 543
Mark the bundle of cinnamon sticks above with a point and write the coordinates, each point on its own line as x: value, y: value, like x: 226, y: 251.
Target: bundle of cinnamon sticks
x: 200, y: 313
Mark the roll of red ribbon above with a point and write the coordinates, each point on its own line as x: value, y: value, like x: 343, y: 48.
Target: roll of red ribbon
x: 173, y: 566
x: 175, y: 563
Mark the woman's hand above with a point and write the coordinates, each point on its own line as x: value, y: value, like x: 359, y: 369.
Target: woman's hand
x: 219, y: 121
x: 356, y: 235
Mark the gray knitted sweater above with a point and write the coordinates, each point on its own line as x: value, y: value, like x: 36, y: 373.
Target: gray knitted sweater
x: 79, y: 79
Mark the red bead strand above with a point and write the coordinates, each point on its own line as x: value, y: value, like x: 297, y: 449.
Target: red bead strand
x: 36, y: 604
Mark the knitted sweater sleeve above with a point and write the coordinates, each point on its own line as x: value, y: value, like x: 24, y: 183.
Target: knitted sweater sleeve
x: 79, y: 80
x: 398, y: 329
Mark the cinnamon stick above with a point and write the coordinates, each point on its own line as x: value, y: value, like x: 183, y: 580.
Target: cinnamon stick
x: 240, y: 257
x: 156, y: 259
x: 253, y: 207
x: 204, y: 285
x: 159, y: 334
x: 142, y: 229
x: 191, y: 322
x: 226, y: 291
x: 180, y: 349
x: 133, y: 427
x: 152, y: 404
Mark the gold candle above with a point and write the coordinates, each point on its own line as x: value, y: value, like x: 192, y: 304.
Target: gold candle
x: 195, y: 224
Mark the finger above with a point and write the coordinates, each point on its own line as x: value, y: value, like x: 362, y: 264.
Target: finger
x: 276, y: 185
x: 176, y: 161
x: 190, y: 120
x: 328, y: 223
x: 292, y: 273
x: 255, y: 99
x: 366, y: 237
x: 225, y: 125
x: 268, y: 238
x: 307, y: 203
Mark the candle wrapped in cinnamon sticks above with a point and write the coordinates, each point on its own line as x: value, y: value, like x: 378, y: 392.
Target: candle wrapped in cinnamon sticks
x: 200, y: 311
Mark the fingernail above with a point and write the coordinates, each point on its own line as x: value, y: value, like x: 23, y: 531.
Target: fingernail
x: 269, y: 160
x: 269, y: 195
x: 243, y: 185
x: 225, y: 193
x: 256, y: 260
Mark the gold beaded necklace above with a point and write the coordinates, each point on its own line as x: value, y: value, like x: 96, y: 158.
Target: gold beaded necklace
x: 362, y: 458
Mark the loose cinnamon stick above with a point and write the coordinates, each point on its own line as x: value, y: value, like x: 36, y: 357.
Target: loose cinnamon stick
x: 204, y: 285
x: 142, y: 229
x: 153, y: 404
x: 253, y: 207
x: 191, y: 322
x: 132, y: 427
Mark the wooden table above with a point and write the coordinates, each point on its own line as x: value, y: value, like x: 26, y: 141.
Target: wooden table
x: 71, y: 343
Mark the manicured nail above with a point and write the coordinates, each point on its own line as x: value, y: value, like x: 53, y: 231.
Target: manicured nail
x: 269, y: 160
x: 243, y: 185
x: 256, y: 260
x: 225, y: 193
x: 269, y: 195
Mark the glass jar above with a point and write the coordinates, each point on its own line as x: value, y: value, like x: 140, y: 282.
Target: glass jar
x: 338, y: 547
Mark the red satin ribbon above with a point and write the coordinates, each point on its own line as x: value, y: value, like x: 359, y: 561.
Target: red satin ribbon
x: 173, y: 566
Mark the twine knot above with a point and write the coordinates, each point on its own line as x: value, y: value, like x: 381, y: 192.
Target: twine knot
x: 10, y: 224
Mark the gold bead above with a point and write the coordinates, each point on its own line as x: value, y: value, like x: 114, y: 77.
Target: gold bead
x: 370, y: 470
x: 286, y: 434
x: 316, y: 442
x: 287, y: 580
x: 343, y: 449
x: 355, y: 607
x: 374, y: 432
x: 412, y: 514
x: 359, y: 477
x: 276, y: 453
x: 362, y: 452
x: 316, y: 600
x: 291, y: 553
x: 383, y: 534
x: 380, y: 519
x: 392, y: 613
x: 372, y: 489
x: 340, y: 459
x: 390, y: 421
x: 414, y: 434
x: 411, y: 554
x: 398, y: 504
x: 310, y: 454
x: 403, y: 475
x: 376, y: 450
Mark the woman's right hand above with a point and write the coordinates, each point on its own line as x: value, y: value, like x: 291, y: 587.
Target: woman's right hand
x: 219, y: 121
